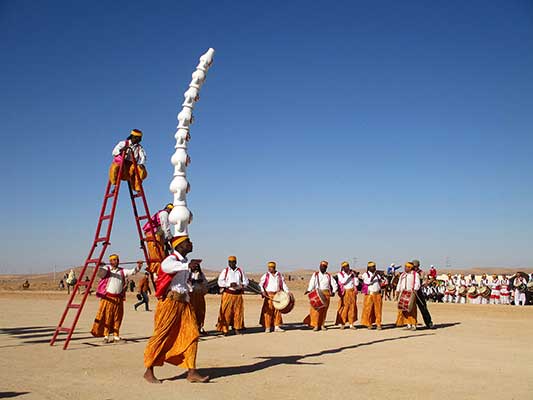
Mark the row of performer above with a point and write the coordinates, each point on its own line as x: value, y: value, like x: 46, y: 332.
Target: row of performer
x: 181, y: 288
x: 495, y: 290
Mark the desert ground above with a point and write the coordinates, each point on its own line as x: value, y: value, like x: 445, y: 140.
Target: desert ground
x: 476, y: 352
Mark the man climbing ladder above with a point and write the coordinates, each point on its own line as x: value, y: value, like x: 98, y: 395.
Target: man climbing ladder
x: 128, y: 170
x: 128, y: 154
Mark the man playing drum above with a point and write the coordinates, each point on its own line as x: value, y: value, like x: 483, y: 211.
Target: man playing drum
x: 460, y: 290
x: 271, y: 283
x: 408, y: 285
x: 324, y: 287
x: 420, y: 300
x: 449, y: 293
x: 473, y: 294
x: 347, y: 309
x: 482, y: 284
x: 373, y: 301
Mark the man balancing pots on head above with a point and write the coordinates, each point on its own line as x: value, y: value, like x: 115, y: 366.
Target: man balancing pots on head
x: 163, y: 235
x: 322, y: 287
x: 175, y: 338
x: 232, y: 282
x: 128, y: 172
x: 112, y: 291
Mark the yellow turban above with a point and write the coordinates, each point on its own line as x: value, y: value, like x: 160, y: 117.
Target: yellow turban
x: 179, y: 239
x: 271, y: 264
x: 113, y: 257
x: 136, y: 132
x: 371, y: 264
x: 170, y: 205
x: 324, y: 263
x: 345, y: 264
x: 232, y: 258
x: 409, y: 265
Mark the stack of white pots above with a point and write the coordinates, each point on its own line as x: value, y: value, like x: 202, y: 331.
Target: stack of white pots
x: 180, y: 215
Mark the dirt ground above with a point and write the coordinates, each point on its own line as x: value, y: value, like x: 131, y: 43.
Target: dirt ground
x: 477, y: 352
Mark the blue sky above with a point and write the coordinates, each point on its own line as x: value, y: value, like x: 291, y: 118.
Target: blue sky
x: 378, y: 130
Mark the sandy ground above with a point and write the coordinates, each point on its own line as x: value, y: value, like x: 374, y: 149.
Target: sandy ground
x: 477, y: 352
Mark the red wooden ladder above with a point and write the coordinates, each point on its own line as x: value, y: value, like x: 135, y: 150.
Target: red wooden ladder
x: 102, y: 235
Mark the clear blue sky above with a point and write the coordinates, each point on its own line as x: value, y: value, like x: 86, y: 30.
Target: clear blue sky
x: 326, y: 130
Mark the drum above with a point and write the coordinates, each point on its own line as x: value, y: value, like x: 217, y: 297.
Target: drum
x: 484, y: 291
x: 462, y: 291
x: 450, y: 289
x: 406, y: 301
x: 317, y: 299
x: 472, y: 292
x: 530, y: 286
x: 284, y: 302
x: 522, y: 287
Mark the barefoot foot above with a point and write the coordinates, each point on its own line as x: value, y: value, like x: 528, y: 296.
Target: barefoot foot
x: 150, y: 377
x: 194, y: 377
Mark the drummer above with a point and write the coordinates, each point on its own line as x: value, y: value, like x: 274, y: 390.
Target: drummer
x: 410, y: 282
x: 473, y: 295
x: 484, y: 282
x: 459, y: 284
x: 322, y: 281
x: 347, y: 308
x: 449, y: 293
x: 271, y: 283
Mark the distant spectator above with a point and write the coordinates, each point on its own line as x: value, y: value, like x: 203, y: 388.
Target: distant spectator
x: 132, y: 285
x: 61, y: 285
x: 87, y: 287
x: 433, y: 272
x: 26, y: 285
x: 391, y: 269
x: 71, y: 280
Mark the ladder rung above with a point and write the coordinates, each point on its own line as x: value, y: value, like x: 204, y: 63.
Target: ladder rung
x: 101, y: 239
x: 139, y: 194
x: 105, y: 217
x: 61, y: 329
x: 84, y: 283
x: 142, y: 217
x: 74, y: 305
x: 107, y: 196
x: 154, y: 261
x: 92, y: 261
